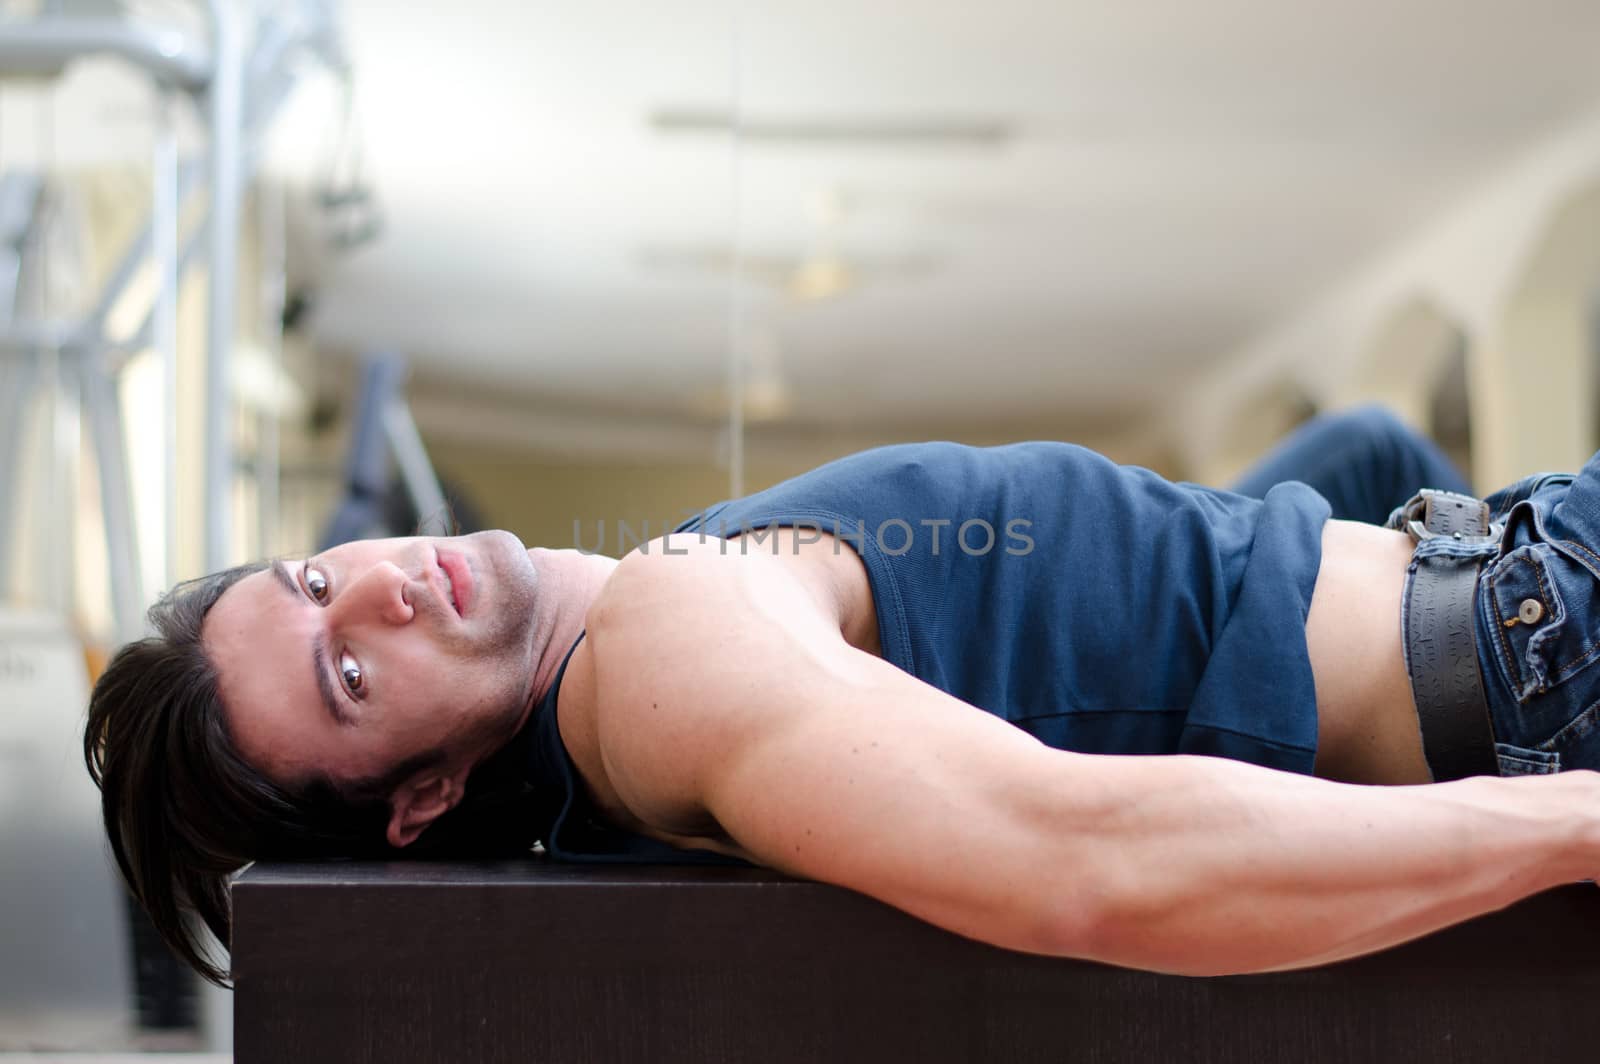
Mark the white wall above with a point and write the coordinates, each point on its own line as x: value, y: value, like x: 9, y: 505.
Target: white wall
x: 1474, y: 263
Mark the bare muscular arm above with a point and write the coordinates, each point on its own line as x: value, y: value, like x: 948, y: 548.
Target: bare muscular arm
x: 723, y: 685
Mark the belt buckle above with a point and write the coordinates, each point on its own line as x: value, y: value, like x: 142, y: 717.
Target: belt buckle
x: 1433, y: 513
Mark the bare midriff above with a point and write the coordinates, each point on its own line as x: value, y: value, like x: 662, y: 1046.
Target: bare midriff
x: 1367, y: 730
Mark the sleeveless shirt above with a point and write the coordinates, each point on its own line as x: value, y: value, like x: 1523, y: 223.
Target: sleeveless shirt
x: 1099, y: 607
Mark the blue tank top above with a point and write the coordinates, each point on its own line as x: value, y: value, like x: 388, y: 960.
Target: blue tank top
x: 1098, y: 607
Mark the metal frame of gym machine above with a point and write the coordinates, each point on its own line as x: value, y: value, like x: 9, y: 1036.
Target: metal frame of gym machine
x: 239, y: 81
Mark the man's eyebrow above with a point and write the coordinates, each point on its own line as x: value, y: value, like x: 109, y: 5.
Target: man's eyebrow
x: 281, y: 572
x: 330, y: 698
x: 319, y: 652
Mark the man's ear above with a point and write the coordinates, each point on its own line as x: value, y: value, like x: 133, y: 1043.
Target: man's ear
x: 421, y: 800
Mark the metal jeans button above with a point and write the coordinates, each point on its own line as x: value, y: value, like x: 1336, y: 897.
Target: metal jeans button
x: 1530, y: 611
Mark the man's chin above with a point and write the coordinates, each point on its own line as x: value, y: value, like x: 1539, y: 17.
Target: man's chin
x: 497, y: 539
x: 508, y: 583
x: 502, y: 555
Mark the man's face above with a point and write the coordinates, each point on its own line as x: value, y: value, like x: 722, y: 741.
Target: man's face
x: 364, y: 655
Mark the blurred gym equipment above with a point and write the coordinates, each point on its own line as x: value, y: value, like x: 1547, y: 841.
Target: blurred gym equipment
x: 235, y: 65
x: 384, y: 430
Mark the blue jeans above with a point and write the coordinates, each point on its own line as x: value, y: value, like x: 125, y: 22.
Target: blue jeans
x: 1365, y: 462
x: 1538, y: 622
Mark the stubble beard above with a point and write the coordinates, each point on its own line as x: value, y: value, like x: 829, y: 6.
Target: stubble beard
x: 506, y: 646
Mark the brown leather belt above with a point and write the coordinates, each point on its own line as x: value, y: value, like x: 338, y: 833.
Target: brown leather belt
x: 1440, y: 644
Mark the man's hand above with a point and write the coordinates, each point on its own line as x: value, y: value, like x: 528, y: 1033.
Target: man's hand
x: 724, y: 685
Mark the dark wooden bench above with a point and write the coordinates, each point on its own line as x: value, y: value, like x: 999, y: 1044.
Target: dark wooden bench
x: 534, y: 961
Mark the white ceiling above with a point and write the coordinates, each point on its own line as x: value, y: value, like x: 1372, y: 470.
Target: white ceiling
x: 1180, y: 176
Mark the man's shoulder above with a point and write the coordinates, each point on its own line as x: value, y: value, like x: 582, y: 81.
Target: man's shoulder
x: 693, y: 642
x: 688, y: 577
x: 687, y: 646
x: 674, y: 572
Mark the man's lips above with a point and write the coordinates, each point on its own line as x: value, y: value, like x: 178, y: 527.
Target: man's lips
x: 460, y: 574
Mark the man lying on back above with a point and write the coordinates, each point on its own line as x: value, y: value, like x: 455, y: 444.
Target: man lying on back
x: 1025, y: 694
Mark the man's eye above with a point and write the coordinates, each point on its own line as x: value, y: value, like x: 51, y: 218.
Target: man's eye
x: 350, y: 672
x: 317, y: 584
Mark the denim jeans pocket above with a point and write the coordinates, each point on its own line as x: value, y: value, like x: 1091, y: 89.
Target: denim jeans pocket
x: 1525, y: 761
x: 1540, y: 598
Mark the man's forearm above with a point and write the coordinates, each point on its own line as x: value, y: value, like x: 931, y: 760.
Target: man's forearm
x: 1213, y: 867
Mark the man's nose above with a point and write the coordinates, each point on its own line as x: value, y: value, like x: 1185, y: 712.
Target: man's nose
x: 378, y: 595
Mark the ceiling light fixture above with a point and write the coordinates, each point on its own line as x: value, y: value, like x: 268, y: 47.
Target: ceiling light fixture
x: 840, y: 130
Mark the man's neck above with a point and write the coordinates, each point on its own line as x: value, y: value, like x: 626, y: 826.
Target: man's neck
x: 568, y: 582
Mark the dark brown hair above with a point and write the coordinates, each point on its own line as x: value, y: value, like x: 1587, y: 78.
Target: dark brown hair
x: 183, y: 810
